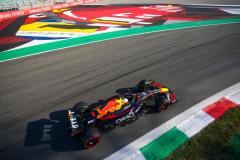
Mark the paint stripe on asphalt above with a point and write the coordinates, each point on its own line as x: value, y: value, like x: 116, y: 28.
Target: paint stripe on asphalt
x: 164, y: 145
x: 62, y: 44
x: 195, y: 123
x: 131, y: 151
x: 217, y: 109
x: 214, y: 5
x: 235, y: 97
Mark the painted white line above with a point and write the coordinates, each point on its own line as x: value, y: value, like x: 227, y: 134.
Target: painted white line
x: 103, y: 25
x: 213, y: 5
x: 231, y: 11
x: 70, y: 14
x: 33, y: 43
x: 132, y: 148
x: 195, y: 123
x: 135, y: 156
x: 118, y: 19
x: 235, y: 97
x: 145, y: 23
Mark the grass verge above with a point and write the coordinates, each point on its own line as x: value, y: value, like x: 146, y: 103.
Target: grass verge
x: 218, y: 141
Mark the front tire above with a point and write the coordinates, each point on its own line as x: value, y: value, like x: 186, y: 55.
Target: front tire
x: 144, y: 85
x: 162, y: 103
x: 141, y: 87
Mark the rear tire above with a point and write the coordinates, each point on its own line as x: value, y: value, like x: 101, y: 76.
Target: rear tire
x: 91, y: 138
x: 81, y: 107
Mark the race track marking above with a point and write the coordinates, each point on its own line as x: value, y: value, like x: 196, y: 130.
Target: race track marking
x: 62, y: 44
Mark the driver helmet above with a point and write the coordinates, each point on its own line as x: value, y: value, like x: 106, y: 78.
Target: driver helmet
x: 125, y: 100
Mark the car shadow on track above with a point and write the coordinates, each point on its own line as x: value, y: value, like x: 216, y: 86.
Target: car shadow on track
x: 53, y: 132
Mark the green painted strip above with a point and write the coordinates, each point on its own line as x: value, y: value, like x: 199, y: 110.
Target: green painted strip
x: 164, y: 145
x: 38, y: 49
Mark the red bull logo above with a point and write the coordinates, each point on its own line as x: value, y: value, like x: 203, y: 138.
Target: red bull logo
x: 112, y: 106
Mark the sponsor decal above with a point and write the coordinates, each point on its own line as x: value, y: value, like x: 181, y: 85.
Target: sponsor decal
x: 73, y: 119
x: 129, y: 115
x: 91, y: 121
x: 112, y: 106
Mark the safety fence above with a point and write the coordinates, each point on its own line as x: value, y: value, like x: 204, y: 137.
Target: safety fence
x: 10, y: 5
x: 15, y: 8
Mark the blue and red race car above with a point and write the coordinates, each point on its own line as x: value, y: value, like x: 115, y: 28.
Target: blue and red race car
x: 85, y: 122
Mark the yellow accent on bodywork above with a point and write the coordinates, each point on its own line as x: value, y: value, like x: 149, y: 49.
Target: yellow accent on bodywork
x: 164, y: 90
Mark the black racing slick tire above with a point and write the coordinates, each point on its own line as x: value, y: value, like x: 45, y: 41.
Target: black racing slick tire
x: 162, y: 103
x: 90, y: 138
x: 141, y: 86
x: 144, y: 85
x: 81, y: 107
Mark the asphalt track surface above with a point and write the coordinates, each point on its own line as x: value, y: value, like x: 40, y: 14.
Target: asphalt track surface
x: 36, y: 90
x: 195, y: 62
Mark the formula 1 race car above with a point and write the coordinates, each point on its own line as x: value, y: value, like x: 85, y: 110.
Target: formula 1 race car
x: 85, y: 122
